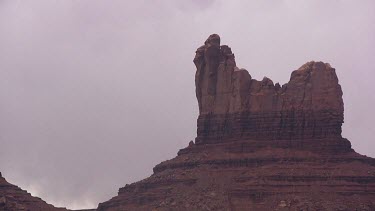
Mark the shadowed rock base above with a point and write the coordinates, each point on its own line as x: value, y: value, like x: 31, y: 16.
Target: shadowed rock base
x: 259, y: 146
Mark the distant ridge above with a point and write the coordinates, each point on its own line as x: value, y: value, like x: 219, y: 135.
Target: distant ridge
x: 14, y: 198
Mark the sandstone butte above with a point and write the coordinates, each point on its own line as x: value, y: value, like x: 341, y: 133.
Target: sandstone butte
x: 259, y: 146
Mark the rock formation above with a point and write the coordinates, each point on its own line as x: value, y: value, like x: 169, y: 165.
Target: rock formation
x: 259, y: 146
x: 233, y: 105
x: 14, y: 198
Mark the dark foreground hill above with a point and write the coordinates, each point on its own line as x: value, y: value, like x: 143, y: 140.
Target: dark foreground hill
x: 259, y: 146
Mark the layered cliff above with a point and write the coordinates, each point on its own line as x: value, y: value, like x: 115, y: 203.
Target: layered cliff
x: 233, y: 105
x: 259, y: 146
x: 13, y: 198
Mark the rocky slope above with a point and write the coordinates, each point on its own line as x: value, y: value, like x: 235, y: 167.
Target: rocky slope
x: 259, y: 146
x: 14, y: 198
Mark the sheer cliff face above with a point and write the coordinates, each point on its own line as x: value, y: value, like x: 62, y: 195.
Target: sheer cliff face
x: 233, y: 105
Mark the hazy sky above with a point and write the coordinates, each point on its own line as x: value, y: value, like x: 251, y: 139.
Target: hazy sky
x: 94, y: 93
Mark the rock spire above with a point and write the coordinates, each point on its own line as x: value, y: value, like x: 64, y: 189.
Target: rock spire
x: 234, y: 105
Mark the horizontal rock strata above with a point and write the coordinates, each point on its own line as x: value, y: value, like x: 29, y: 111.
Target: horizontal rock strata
x: 223, y: 177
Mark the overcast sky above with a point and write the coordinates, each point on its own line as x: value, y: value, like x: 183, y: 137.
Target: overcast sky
x: 94, y: 93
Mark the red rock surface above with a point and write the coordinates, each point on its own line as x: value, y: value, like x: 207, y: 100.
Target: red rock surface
x: 14, y: 198
x: 233, y: 105
x: 259, y: 146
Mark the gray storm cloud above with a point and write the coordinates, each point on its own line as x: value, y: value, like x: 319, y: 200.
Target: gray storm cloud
x: 93, y: 94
